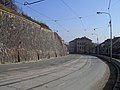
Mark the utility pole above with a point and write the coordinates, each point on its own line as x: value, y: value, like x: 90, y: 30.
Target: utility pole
x: 110, y: 23
x: 97, y: 43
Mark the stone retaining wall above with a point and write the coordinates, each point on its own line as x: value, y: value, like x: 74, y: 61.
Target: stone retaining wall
x: 23, y: 40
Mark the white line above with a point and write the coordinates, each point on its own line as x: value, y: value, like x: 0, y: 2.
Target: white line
x: 17, y: 68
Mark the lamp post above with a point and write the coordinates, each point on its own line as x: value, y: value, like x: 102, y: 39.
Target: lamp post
x: 110, y: 23
x: 97, y: 42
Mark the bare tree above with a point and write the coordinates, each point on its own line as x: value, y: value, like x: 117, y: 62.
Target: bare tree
x: 9, y: 4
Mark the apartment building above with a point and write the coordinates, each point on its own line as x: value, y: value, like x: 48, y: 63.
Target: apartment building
x: 80, y: 45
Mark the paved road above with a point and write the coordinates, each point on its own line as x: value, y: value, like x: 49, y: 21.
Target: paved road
x: 72, y: 72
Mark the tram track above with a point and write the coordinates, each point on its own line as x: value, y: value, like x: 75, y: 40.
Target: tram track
x: 55, y: 70
x: 77, y: 73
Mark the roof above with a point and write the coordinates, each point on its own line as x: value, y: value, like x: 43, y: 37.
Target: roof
x: 83, y: 38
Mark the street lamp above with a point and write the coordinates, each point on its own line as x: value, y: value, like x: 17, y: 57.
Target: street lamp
x: 97, y: 43
x: 110, y: 32
x: 96, y: 36
x: 26, y: 3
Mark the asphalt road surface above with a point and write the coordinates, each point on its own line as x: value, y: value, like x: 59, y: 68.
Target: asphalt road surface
x: 72, y: 72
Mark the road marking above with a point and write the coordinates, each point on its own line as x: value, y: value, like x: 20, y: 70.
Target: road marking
x: 17, y: 68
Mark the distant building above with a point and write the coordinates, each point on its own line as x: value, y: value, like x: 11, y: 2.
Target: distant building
x: 80, y: 45
x: 72, y: 46
x: 116, y: 45
x: 104, y: 48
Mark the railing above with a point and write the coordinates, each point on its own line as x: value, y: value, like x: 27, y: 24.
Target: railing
x: 115, y: 64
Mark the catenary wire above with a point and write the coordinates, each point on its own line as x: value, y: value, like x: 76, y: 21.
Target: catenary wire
x: 106, y: 29
x: 80, y: 18
x: 43, y: 15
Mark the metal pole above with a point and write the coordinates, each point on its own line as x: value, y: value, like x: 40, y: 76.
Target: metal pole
x: 4, y: 2
x: 110, y: 23
x: 97, y: 46
x: 110, y: 40
x: 97, y: 49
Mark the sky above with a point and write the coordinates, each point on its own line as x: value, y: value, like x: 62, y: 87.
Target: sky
x: 76, y: 18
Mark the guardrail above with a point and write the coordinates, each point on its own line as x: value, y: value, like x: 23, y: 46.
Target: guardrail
x: 117, y: 56
x: 116, y: 64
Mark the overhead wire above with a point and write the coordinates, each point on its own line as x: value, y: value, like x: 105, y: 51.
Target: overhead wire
x: 70, y: 8
x: 80, y: 18
x: 60, y: 25
x: 109, y: 4
x: 104, y: 31
x: 109, y: 7
x: 36, y: 11
x: 72, y: 18
x: 117, y: 2
x: 56, y: 21
x: 95, y: 29
x: 43, y: 15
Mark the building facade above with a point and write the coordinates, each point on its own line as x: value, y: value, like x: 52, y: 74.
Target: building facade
x: 104, y: 48
x: 116, y: 45
x: 80, y: 45
x: 72, y: 48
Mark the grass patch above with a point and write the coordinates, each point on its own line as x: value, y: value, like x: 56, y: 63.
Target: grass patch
x: 9, y: 10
